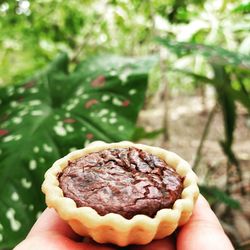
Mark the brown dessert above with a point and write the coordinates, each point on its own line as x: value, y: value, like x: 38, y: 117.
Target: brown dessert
x: 122, y: 193
x: 126, y: 181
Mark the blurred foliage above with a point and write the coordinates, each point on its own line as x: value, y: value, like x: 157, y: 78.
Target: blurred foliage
x: 33, y: 32
x: 213, y: 54
x: 141, y: 133
x: 243, y: 8
x: 226, y: 67
x: 215, y: 195
x: 54, y: 113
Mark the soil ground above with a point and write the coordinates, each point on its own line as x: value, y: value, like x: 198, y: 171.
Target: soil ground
x: 187, y: 119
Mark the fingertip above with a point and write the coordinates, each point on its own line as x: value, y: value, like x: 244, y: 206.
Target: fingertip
x: 49, y: 221
x: 203, y: 215
x: 202, y: 202
x: 203, y: 230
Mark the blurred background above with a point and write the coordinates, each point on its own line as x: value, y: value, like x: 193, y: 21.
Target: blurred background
x: 174, y: 74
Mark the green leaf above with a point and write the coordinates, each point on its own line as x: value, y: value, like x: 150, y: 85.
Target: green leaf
x: 238, y: 95
x: 213, y: 54
x: 222, y: 81
x: 141, y: 133
x: 198, y: 78
x: 54, y: 113
x: 243, y: 7
x: 242, y: 97
x: 214, y: 194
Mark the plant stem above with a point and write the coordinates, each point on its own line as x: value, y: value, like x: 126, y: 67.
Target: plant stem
x: 164, y: 89
x: 234, y: 171
x: 165, y: 97
x: 204, y: 136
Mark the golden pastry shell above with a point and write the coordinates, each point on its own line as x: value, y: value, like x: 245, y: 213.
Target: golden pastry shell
x: 114, y: 228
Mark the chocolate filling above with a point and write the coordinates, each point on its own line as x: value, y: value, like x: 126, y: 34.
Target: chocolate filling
x: 126, y: 181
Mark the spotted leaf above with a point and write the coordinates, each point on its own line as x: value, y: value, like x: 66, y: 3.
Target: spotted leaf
x: 54, y: 113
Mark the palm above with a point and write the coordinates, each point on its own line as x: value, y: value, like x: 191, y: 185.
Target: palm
x: 203, y: 231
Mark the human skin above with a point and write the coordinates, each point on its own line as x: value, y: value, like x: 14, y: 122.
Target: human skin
x: 203, y: 231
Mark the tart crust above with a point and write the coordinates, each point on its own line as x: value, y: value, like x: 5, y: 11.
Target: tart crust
x: 114, y: 228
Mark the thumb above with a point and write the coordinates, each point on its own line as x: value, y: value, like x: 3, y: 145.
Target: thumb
x: 203, y: 230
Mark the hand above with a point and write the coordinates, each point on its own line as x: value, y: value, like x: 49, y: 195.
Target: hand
x: 203, y: 231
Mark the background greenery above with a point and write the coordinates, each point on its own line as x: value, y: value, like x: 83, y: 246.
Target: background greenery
x: 182, y: 46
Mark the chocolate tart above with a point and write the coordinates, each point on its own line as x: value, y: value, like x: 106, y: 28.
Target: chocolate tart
x: 122, y: 193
